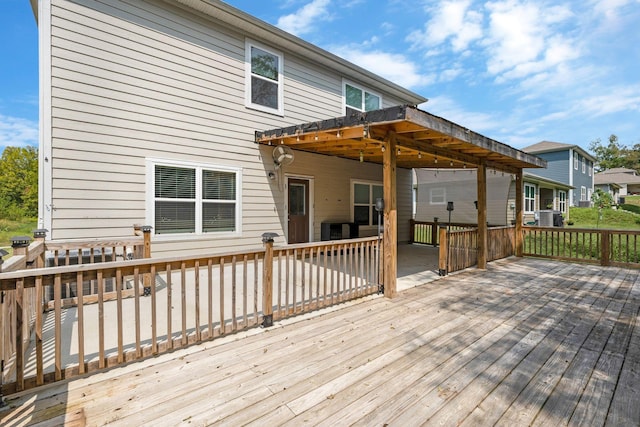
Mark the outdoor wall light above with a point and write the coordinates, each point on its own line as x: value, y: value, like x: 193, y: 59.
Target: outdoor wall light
x: 271, y: 175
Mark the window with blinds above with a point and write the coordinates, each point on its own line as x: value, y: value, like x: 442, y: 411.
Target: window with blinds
x: 194, y: 200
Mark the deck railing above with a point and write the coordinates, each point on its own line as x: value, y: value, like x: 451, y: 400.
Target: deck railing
x: 190, y: 300
x: 426, y: 232
x: 604, y: 247
x: 459, y: 248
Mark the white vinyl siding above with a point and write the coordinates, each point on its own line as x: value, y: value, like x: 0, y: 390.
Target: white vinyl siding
x: 529, y: 198
x: 148, y: 80
x: 264, y: 87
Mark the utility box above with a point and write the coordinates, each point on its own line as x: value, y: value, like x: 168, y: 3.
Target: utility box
x: 545, y: 218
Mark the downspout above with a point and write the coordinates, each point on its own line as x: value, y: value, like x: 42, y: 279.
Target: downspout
x: 45, y: 206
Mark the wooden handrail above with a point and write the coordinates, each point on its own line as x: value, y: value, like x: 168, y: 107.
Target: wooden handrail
x: 299, y: 279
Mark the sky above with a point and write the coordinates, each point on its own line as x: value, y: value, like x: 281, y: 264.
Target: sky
x: 516, y: 71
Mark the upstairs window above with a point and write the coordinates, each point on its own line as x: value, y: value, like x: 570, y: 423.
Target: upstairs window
x: 263, y: 86
x: 584, y: 165
x: 360, y: 99
x: 194, y: 199
x: 438, y: 196
x: 576, y: 160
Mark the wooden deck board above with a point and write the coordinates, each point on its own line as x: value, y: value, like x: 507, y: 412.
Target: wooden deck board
x: 525, y: 342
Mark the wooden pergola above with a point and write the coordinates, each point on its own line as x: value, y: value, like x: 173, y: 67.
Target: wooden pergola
x: 406, y: 137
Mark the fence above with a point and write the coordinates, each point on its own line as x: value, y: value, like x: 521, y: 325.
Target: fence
x: 426, y: 232
x: 459, y: 248
x: 162, y: 304
x: 604, y: 247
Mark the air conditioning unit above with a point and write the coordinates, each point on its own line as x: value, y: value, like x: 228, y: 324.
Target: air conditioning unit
x: 584, y: 204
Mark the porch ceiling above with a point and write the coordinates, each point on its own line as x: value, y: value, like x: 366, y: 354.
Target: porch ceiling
x: 423, y: 141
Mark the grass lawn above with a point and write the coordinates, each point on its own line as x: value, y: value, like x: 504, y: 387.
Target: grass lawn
x: 9, y: 229
x: 619, y: 219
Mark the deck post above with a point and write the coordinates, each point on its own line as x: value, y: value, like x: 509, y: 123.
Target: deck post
x: 482, y: 216
x: 144, y: 252
x: 20, y: 245
x: 40, y: 236
x: 434, y: 232
x: 267, y: 280
x: 443, y: 259
x: 390, y: 240
x: 605, y: 248
x: 519, y: 214
x: 412, y: 230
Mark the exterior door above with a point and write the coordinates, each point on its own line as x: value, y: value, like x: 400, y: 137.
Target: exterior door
x: 298, y: 190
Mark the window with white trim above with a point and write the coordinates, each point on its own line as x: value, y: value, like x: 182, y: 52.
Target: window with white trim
x: 589, y: 194
x: 529, y: 197
x: 562, y: 201
x: 263, y: 79
x: 364, y: 195
x: 584, y: 165
x: 194, y: 199
x: 583, y: 193
x: 438, y: 196
x: 575, y: 160
x: 360, y: 99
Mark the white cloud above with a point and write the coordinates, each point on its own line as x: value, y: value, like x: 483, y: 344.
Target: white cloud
x: 394, y: 67
x: 17, y: 132
x: 301, y: 22
x: 522, y: 39
x: 615, y: 100
x: 450, y: 20
x: 446, y: 107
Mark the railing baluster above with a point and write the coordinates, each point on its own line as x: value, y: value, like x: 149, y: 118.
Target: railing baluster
x: 183, y: 302
x: 169, y: 282
x: 154, y: 311
x: 223, y: 326
x: 39, y: 331
x: 245, y: 322
x: 136, y: 296
x: 210, y: 297
x: 196, y: 271
x: 119, y: 315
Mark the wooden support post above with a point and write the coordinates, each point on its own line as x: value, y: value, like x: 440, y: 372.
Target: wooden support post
x: 605, y: 247
x: 434, y: 232
x: 390, y: 240
x: 267, y: 280
x: 412, y: 230
x: 443, y: 259
x: 519, y: 214
x: 20, y: 245
x: 40, y: 236
x: 145, y: 252
x: 482, y: 216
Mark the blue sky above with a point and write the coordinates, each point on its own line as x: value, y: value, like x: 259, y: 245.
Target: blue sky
x: 516, y: 71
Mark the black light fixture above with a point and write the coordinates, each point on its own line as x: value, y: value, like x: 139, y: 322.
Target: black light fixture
x: 475, y: 202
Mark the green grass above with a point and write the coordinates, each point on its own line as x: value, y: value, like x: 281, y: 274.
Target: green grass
x: 9, y: 229
x: 611, y: 218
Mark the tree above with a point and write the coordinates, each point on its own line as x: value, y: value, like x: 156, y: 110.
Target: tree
x: 601, y: 199
x: 615, y: 155
x: 19, y: 183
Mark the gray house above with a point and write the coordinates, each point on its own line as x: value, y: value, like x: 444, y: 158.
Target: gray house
x: 214, y: 127
x: 567, y: 164
x: 618, y: 182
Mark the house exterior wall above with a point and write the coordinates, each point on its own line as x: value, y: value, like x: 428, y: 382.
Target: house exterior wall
x: 558, y: 164
x: 132, y: 81
x: 560, y: 168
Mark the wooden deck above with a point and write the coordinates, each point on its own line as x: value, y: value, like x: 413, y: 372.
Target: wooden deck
x: 526, y: 342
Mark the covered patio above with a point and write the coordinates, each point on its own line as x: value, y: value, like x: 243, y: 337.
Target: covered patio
x: 524, y: 342
x: 407, y: 137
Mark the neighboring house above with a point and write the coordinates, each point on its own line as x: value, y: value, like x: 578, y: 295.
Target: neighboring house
x: 567, y: 164
x: 181, y: 115
x: 539, y: 194
x: 437, y: 187
x: 149, y: 113
x: 610, y: 188
x: 627, y: 181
